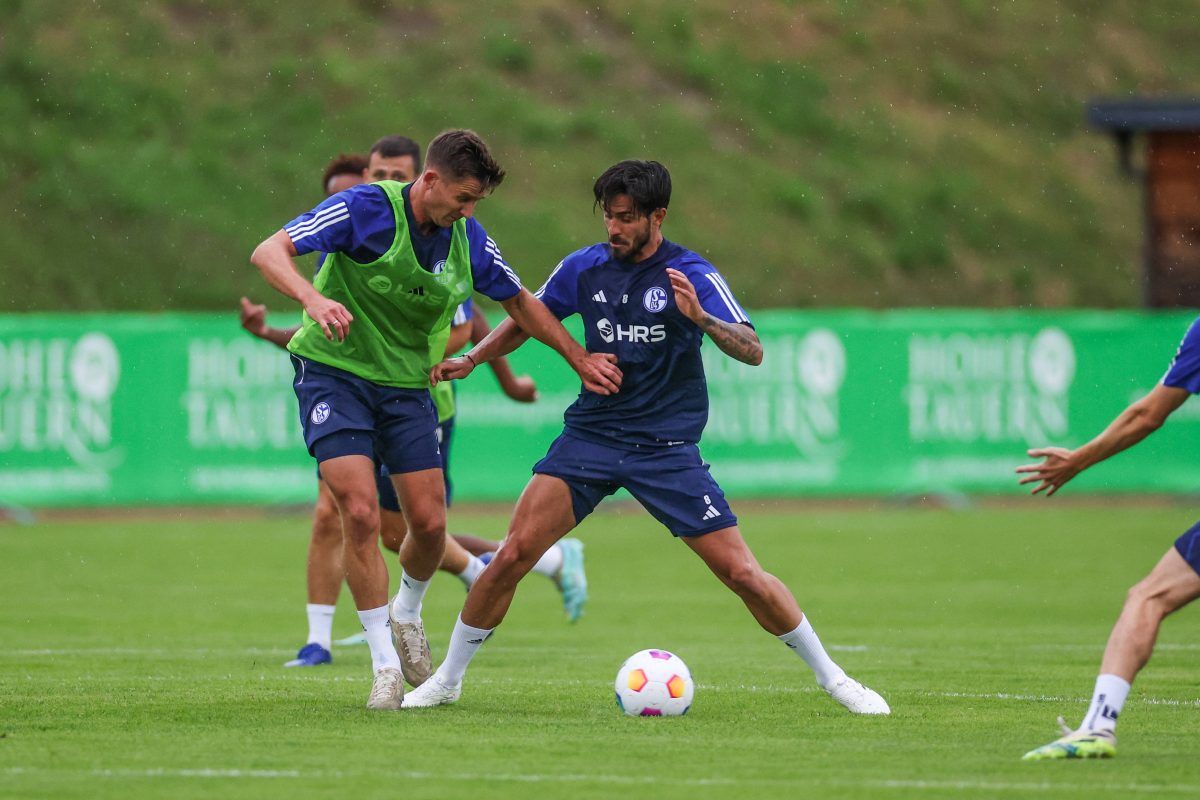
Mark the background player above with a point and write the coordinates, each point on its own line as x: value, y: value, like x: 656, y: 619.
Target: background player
x: 649, y: 302
x: 402, y: 257
x: 1173, y: 583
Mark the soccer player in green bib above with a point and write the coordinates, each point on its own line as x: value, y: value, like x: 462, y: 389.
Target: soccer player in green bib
x: 402, y: 258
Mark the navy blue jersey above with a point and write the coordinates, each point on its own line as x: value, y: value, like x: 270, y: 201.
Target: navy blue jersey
x: 1184, y: 372
x: 629, y: 309
x: 361, y: 223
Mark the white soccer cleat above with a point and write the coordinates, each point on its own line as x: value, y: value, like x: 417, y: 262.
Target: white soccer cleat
x: 387, y: 692
x: 413, y: 649
x: 857, y: 698
x: 432, y: 693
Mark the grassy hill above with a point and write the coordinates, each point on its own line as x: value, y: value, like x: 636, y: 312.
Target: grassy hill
x: 834, y: 153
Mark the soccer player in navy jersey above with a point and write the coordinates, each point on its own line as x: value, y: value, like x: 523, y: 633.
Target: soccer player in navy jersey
x: 1172, y: 583
x: 649, y: 302
x: 401, y: 259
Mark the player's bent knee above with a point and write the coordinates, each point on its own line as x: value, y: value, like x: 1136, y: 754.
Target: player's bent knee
x: 428, y: 530
x: 512, y: 555
x: 360, y: 520
x: 747, y: 579
x: 1149, y: 595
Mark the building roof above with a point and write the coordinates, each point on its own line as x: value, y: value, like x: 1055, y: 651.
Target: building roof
x: 1146, y: 114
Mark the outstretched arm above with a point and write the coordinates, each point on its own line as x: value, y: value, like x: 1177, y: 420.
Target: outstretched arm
x: 735, y: 339
x: 254, y: 319
x: 1131, y: 426
x: 275, y: 259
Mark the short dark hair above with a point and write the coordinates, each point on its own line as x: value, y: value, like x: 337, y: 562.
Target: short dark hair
x: 647, y: 183
x: 343, y: 164
x: 462, y: 154
x: 397, y: 146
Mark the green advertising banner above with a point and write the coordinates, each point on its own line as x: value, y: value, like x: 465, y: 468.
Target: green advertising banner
x: 187, y: 408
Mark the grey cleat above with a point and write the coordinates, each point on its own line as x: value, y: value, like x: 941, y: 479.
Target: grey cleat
x: 387, y: 692
x: 413, y: 649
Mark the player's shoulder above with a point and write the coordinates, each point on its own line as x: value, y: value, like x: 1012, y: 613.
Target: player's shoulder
x: 593, y: 255
x: 368, y: 193
x: 689, y: 262
x: 581, y: 260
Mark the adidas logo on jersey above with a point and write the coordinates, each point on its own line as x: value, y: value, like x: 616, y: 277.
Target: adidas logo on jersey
x: 599, y: 297
x: 712, y: 513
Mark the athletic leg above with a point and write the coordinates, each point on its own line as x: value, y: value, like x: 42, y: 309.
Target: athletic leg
x: 325, y: 574
x: 543, y: 515
x: 351, y: 481
x: 1172, y: 584
x: 726, y: 554
x: 773, y: 606
x: 423, y: 499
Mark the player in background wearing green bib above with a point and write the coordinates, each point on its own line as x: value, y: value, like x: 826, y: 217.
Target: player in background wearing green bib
x: 402, y: 258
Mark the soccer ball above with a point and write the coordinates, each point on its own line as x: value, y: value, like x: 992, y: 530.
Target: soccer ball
x: 654, y: 683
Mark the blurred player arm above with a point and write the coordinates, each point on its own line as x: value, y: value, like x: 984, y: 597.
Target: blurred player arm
x: 520, y: 388
x: 736, y: 339
x: 254, y: 320
x: 459, y: 336
x: 1132, y: 425
x: 275, y: 259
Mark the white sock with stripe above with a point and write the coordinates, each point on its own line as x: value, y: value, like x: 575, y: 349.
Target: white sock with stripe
x: 465, y: 641
x: 1108, y: 699
x: 806, y: 644
x: 379, y: 638
x: 320, y: 624
x: 407, y: 605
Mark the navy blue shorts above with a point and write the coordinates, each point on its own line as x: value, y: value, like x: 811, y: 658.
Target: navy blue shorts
x: 1188, y: 546
x: 672, y: 483
x: 397, y: 427
x: 389, y: 500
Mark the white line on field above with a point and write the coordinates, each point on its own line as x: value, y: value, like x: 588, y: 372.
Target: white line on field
x: 216, y: 772
x: 309, y: 676
x: 626, y: 780
x: 1151, y: 788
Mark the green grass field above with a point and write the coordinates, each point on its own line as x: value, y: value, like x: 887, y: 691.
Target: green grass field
x: 142, y: 658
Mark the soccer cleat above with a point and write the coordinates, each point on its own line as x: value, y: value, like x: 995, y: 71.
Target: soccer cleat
x: 311, y: 655
x: 571, y: 579
x: 858, y: 698
x: 413, y: 649
x: 432, y: 693
x: 1076, y: 744
x: 352, y: 640
x: 387, y: 692
x: 486, y: 558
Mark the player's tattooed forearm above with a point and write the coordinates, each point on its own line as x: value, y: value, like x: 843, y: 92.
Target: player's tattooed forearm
x: 734, y: 339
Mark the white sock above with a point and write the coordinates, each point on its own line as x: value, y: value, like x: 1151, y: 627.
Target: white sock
x: 379, y: 638
x: 464, y: 641
x: 320, y: 624
x: 1107, y: 701
x: 550, y: 562
x: 474, y: 567
x: 407, y: 605
x: 806, y: 644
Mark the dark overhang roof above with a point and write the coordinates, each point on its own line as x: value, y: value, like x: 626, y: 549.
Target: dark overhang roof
x: 1146, y: 115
